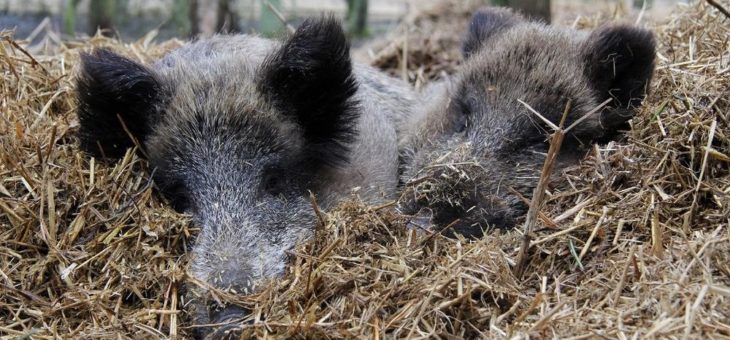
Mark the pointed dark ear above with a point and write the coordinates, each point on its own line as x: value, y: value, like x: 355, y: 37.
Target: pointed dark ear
x: 112, y: 89
x: 485, y: 24
x: 620, y: 63
x: 310, y: 80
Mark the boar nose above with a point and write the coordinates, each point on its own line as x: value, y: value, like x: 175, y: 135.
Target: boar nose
x: 230, y: 318
x: 232, y: 273
x: 228, y: 332
x: 227, y: 314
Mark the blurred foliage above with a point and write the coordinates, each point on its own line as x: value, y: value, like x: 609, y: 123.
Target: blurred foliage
x: 183, y: 17
x: 357, y: 18
x: 69, y: 17
x: 270, y: 24
x: 227, y: 18
x: 538, y: 9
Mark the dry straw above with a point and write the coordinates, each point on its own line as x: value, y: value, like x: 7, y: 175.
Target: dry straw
x: 637, y: 246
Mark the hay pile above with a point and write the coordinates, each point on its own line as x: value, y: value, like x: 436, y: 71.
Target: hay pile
x: 638, y: 247
x: 86, y: 249
x: 425, y: 46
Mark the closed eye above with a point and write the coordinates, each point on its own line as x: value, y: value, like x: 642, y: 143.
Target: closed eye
x: 462, y: 110
x: 461, y: 122
x: 274, y: 183
x: 176, y: 193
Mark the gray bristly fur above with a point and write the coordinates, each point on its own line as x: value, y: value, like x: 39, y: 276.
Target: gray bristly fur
x: 472, y: 145
x: 238, y: 130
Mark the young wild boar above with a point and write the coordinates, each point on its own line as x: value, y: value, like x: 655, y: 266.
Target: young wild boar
x: 474, y: 147
x: 238, y: 130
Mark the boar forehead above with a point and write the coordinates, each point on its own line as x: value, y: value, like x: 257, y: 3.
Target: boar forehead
x: 214, y: 103
x: 540, y: 65
x: 217, y: 75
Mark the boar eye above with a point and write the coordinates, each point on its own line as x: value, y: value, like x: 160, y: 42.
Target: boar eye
x: 464, y: 107
x: 177, y: 194
x: 463, y: 111
x: 274, y: 183
x: 461, y: 122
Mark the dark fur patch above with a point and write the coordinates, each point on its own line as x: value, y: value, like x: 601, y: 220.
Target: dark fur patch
x: 620, y: 63
x: 310, y: 79
x: 194, y: 143
x: 109, y: 88
x: 485, y: 24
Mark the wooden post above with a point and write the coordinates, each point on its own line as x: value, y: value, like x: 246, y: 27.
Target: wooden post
x: 227, y: 17
x: 536, y: 9
x: 181, y: 19
x: 640, y: 3
x: 193, y: 18
x: 69, y: 17
x: 357, y: 17
x: 100, y: 17
x: 204, y: 15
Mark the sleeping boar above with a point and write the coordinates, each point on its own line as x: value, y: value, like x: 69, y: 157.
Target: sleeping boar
x: 237, y: 131
x: 473, y: 149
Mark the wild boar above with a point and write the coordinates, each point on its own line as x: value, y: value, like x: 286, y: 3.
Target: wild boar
x: 473, y: 149
x: 237, y: 131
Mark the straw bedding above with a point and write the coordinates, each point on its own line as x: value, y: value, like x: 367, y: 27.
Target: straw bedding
x: 636, y: 244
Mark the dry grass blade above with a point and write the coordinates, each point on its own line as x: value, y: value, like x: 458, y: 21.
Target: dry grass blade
x: 719, y: 7
x: 556, y: 141
x: 280, y: 16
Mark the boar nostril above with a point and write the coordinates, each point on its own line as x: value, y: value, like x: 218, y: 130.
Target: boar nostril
x: 421, y: 217
x: 227, y: 321
x: 225, y: 332
x: 422, y: 220
x: 228, y: 314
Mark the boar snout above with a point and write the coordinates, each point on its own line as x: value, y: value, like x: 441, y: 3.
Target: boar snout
x: 228, y: 320
x: 461, y: 194
x: 217, y: 320
x: 228, y: 332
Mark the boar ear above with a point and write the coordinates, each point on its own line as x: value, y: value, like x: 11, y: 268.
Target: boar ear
x: 310, y: 80
x: 620, y: 63
x: 485, y: 24
x: 112, y: 89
